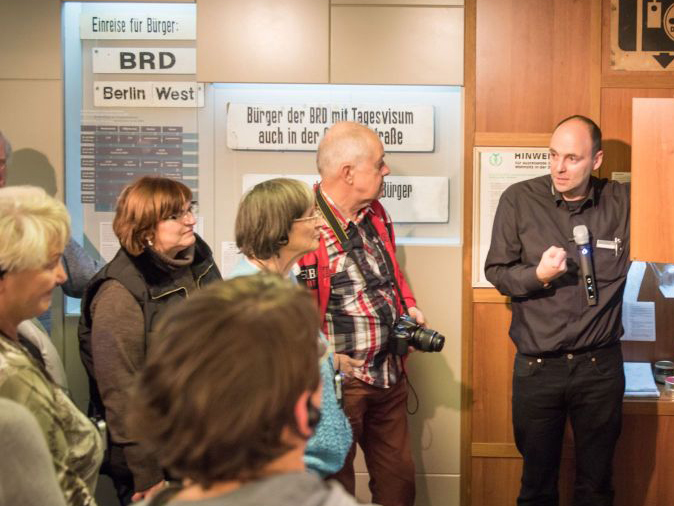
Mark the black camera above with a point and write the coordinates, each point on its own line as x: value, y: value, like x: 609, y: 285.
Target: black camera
x: 408, y: 332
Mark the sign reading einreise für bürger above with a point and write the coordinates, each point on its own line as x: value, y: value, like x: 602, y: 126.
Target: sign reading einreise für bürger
x: 272, y: 127
x: 140, y: 26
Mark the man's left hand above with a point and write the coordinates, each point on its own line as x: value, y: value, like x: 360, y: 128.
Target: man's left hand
x: 418, y: 316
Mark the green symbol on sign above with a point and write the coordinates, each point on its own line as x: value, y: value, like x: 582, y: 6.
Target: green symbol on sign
x: 495, y: 159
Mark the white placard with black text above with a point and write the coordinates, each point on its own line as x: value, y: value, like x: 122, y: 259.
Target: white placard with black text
x: 134, y: 60
x: 273, y: 127
x: 148, y: 94
x: 137, y: 25
x: 495, y: 170
x: 408, y: 199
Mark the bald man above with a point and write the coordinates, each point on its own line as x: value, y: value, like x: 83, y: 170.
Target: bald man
x: 362, y: 292
x: 568, y: 362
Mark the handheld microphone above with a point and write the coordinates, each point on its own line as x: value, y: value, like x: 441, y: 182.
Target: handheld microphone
x: 581, y: 237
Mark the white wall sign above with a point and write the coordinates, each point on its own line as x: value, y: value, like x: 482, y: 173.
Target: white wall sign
x: 133, y: 60
x: 137, y: 25
x: 408, y: 199
x: 495, y: 170
x: 148, y: 94
x: 301, y: 127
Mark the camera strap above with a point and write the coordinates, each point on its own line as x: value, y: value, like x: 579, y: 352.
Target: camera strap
x: 347, y: 243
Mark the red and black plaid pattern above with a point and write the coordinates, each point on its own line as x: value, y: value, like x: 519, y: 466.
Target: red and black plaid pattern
x: 361, y: 309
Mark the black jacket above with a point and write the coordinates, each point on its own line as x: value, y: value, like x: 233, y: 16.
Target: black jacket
x: 150, y: 282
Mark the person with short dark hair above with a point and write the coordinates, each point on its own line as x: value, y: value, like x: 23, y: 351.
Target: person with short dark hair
x: 229, y: 411
x: 160, y: 263
x: 569, y: 361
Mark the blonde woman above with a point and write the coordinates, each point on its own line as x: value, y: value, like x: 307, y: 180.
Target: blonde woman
x: 35, y: 228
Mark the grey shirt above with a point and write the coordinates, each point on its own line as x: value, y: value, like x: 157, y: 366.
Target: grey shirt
x: 531, y: 217
x: 290, y: 489
x: 27, y: 475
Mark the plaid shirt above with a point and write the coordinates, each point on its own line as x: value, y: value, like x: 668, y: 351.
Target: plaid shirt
x: 361, y: 309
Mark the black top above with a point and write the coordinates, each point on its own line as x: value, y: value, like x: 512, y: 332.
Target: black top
x: 531, y: 217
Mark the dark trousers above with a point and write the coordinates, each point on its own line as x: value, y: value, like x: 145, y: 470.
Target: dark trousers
x: 116, y: 468
x: 588, y: 388
x: 378, y: 417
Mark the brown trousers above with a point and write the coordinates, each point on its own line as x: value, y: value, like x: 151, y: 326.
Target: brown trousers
x: 378, y: 417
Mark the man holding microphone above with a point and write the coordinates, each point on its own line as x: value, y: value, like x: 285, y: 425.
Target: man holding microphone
x: 566, y: 313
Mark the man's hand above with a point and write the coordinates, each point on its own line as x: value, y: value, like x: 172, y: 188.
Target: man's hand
x: 552, y: 264
x: 345, y: 364
x: 148, y: 493
x: 418, y: 316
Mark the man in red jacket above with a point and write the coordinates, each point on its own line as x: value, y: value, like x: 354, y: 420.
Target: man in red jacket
x: 362, y: 292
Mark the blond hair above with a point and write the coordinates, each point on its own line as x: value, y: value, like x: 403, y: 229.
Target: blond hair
x: 33, y: 226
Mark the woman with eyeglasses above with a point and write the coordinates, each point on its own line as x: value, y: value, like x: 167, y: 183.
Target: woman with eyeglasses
x: 278, y: 223
x: 160, y: 263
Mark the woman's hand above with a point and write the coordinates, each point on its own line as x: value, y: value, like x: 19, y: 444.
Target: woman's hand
x: 345, y: 364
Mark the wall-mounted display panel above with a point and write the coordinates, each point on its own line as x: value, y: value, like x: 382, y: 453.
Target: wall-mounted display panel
x: 266, y: 109
x: 495, y: 169
x: 642, y: 35
x: 131, y: 107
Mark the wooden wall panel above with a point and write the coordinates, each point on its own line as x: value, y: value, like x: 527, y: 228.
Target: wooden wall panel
x: 652, y: 225
x: 537, y: 62
x: 646, y: 443
x: 500, y: 481
x: 616, y: 124
x: 533, y: 63
x: 493, y: 354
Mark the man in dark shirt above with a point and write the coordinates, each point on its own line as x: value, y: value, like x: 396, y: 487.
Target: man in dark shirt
x: 568, y: 361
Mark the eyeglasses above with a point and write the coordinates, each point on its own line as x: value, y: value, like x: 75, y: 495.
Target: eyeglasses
x: 315, y: 215
x: 193, y: 210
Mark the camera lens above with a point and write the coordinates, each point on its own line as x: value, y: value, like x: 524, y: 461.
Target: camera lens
x: 427, y: 340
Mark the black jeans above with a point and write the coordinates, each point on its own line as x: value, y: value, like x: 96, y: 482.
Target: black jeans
x: 588, y: 388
